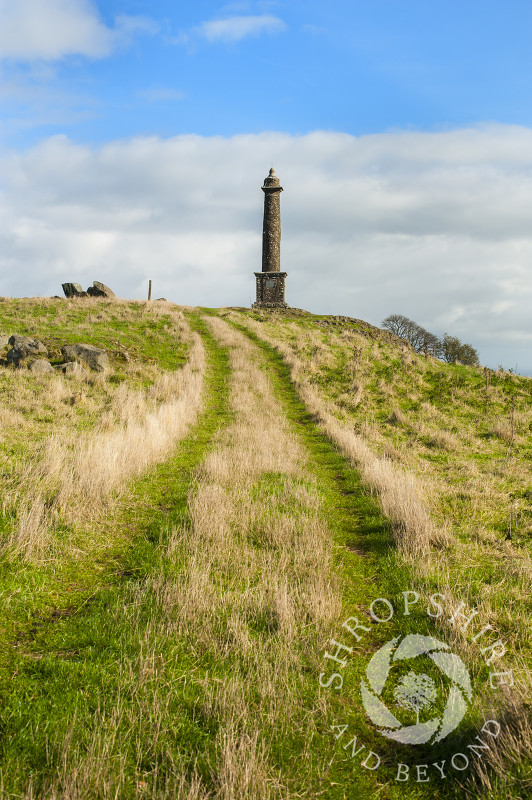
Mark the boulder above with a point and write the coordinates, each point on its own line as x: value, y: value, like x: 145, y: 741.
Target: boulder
x: 100, y: 290
x: 72, y: 368
x: 93, y: 357
x: 32, y: 345
x: 4, y: 340
x: 73, y: 290
x: 23, y: 347
x: 40, y: 366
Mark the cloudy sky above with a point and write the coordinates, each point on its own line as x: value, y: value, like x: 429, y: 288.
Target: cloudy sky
x: 135, y: 135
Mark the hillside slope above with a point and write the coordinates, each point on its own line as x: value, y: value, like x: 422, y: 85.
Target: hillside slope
x: 185, y: 536
x: 447, y: 449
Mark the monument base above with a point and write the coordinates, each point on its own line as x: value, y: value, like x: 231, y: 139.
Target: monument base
x: 270, y: 290
x: 270, y: 305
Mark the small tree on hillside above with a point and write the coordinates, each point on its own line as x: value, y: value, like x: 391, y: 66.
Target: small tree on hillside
x: 451, y: 348
x: 454, y: 350
x: 398, y: 324
x: 468, y: 355
x: 421, y: 340
x: 431, y: 344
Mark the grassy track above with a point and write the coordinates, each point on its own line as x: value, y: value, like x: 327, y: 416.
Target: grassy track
x: 368, y: 566
x: 183, y: 663
x: 77, y: 692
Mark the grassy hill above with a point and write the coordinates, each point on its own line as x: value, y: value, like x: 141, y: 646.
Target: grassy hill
x: 184, y: 535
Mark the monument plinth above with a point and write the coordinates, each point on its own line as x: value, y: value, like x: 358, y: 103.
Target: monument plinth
x: 270, y: 282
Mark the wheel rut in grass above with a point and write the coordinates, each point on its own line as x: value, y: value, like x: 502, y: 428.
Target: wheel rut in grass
x: 282, y: 506
x: 365, y: 567
x: 84, y: 691
x: 360, y: 525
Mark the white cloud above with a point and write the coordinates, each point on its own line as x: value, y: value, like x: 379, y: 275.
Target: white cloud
x: 51, y: 29
x: 232, y: 29
x: 431, y: 225
x: 48, y: 30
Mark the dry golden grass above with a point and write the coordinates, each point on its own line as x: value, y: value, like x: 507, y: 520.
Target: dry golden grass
x: 509, y: 705
x: 256, y: 594
x: 256, y: 558
x: 401, y: 493
x: 73, y: 475
x: 515, y: 741
x: 436, y: 503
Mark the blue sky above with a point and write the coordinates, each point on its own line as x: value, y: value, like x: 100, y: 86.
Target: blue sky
x: 134, y: 137
x: 357, y: 67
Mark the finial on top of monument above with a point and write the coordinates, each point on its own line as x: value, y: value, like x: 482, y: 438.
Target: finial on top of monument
x: 272, y: 182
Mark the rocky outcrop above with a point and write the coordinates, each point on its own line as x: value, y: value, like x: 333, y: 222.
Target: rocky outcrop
x: 97, y: 289
x: 93, y: 357
x: 22, y: 347
x: 31, y: 353
x: 73, y: 290
x: 100, y: 290
x: 40, y: 366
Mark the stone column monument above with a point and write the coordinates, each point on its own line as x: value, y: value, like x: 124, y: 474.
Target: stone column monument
x: 270, y: 282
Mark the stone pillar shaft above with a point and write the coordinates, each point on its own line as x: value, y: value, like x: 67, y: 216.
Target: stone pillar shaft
x: 271, y: 231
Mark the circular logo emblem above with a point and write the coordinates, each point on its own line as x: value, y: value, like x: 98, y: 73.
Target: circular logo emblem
x: 415, y: 692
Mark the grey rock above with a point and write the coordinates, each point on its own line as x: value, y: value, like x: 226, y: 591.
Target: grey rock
x: 100, y: 290
x: 27, y: 341
x: 93, y: 357
x: 40, y: 366
x: 72, y: 368
x: 73, y: 290
x: 4, y: 339
x: 23, y: 347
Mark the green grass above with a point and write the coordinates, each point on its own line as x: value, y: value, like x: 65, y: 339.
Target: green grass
x: 75, y: 637
x: 366, y: 564
x: 75, y: 633
x: 387, y: 575
x: 115, y: 327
